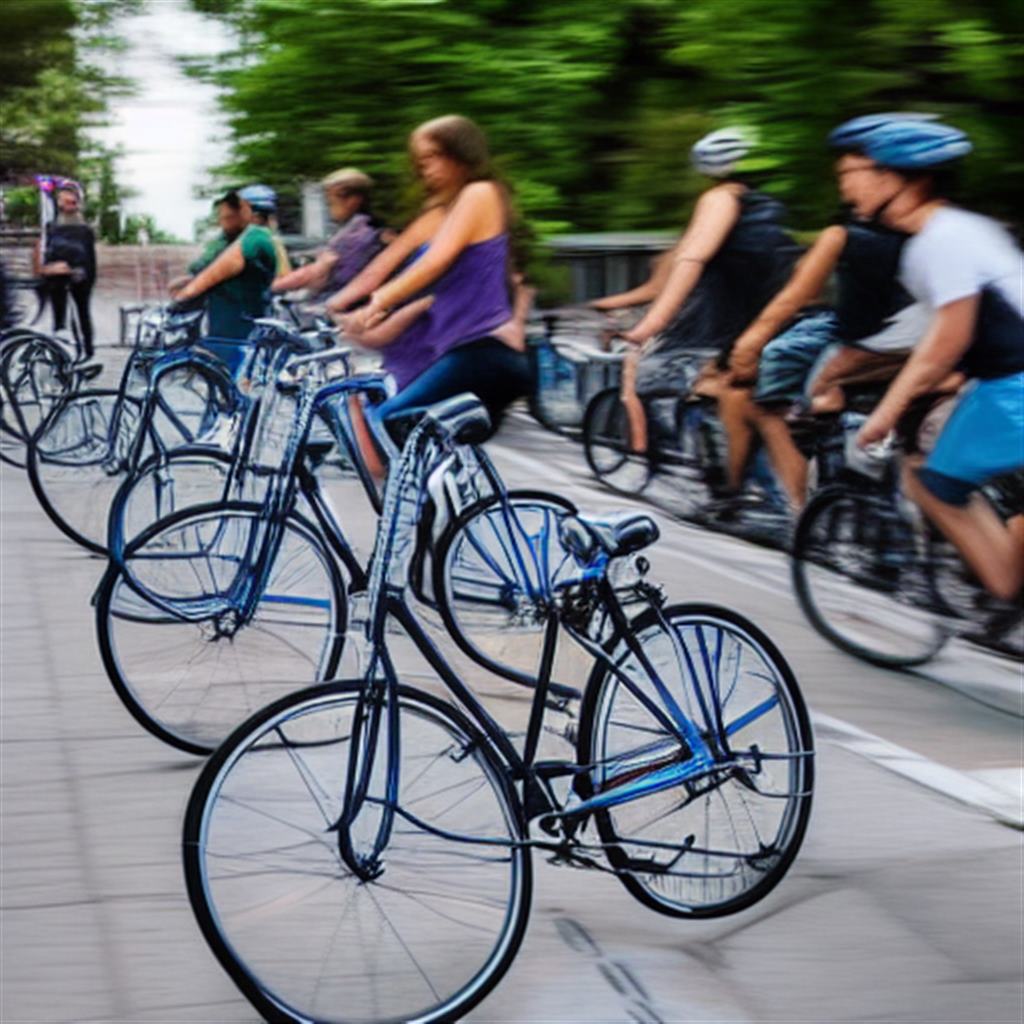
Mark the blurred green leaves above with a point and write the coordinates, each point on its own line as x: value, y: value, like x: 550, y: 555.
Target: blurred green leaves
x: 591, y: 106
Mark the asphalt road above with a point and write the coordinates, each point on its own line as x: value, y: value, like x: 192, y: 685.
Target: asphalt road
x: 905, y: 903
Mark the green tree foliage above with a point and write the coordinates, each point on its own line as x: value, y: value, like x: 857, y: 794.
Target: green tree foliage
x: 591, y: 105
x: 53, y: 88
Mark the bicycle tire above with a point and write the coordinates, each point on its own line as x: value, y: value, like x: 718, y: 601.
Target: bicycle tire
x: 71, y: 459
x: 21, y: 417
x: 127, y: 510
x: 509, y: 583
x: 606, y: 430
x: 257, y: 678
x: 770, y: 678
x: 308, y: 726
x: 818, y: 545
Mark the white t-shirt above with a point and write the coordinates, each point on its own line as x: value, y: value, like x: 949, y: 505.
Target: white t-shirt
x: 902, y: 331
x: 958, y: 253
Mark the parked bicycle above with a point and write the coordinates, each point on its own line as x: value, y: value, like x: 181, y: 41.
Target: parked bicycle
x: 211, y: 611
x: 361, y: 850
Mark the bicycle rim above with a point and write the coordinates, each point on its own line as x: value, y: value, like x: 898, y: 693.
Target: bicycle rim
x: 164, y: 484
x: 303, y: 937
x: 170, y: 637
x: 862, y: 582
x: 607, y: 448
x: 490, y: 566
x: 77, y: 462
x: 723, y: 842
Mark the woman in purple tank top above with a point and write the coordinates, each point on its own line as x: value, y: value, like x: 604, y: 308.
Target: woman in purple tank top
x: 467, y: 339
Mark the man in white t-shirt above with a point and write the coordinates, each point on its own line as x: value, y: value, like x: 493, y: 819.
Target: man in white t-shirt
x: 967, y: 271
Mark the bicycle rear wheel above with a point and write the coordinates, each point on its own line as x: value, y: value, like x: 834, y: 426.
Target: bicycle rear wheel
x: 606, y: 445
x: 863, y: 583
x: 78, y: 460
x: 171, y: 635
x: 305, y: 938
x: 490, y: 563
x: 724, y: 840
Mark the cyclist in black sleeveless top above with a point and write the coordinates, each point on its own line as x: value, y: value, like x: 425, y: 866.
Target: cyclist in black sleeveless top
x: 730, y: 260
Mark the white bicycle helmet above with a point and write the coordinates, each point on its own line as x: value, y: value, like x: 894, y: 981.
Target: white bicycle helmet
x: 717, y: 154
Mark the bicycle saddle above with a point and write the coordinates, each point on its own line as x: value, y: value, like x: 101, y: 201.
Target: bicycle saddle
x: 464, y: 417
x: 620, y: 533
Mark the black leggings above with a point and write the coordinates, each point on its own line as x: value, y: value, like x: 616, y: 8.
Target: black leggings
x: 80, y: 293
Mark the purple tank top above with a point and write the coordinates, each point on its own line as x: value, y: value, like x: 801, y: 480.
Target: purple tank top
x: 470, y: 300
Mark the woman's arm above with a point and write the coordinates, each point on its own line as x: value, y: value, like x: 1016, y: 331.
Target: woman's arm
x: 312, y: 275
x: 378, y: 270
x: 929, y: 364
x: 661, y: 267
x: 383, y: 334
x: 230, y: 263
x: 804, y: 286
x: 478, y: 214
x: 714, y: 217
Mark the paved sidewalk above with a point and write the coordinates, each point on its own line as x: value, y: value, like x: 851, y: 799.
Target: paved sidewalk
x: 903, y: 905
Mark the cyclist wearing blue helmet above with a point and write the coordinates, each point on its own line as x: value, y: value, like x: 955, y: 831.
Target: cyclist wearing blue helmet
x: 969, y: 274
x: 797, y: 351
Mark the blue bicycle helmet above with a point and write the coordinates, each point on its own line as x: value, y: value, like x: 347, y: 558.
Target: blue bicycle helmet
x: 904, y: 142
x: 260, y: 197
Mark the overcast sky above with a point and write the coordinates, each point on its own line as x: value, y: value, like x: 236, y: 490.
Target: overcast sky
x: 170, y: 130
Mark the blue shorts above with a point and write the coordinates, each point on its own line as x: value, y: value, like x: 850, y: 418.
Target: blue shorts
x: 982, y: 439
x: 788, y: 360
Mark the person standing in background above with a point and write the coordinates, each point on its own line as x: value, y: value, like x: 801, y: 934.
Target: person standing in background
x: 67, y: 264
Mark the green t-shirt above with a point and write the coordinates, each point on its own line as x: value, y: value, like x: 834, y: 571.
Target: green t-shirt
x: 213, y: 249
x: 233, y: 304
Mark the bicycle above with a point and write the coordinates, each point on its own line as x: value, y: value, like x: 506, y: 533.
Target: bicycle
x: 219, y: 464
x: 37, y: 371
x: 876, y: 579
x: 191, y: 612
x: 361, y: 850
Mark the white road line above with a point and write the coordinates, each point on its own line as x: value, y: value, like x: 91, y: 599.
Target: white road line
x: 992, y: 680
x: 998, y: 800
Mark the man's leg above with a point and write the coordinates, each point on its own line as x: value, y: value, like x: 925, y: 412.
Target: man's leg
x: 737, y: 413
x: 59, y: 302
x: 994, y: 550
x: 782, y: 375
x: 80, y: 293
x: 787, y: 460
x: 979, y: 441
x: 635, y: 416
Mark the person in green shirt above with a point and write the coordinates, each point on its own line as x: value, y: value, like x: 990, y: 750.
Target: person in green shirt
x: 261, y: 201
x: 232, y: 219
x: 235, y: 284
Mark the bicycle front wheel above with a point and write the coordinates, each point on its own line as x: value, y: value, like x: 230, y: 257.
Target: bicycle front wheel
x: 166, y: 483
x: 606, y: 445
x: 181, y: 656
x: 78, y: 460
x: 34, y: 377
x: 724, y: 839
x: 863, y: 582
x: 305, y: 938
x: 490, y: 565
